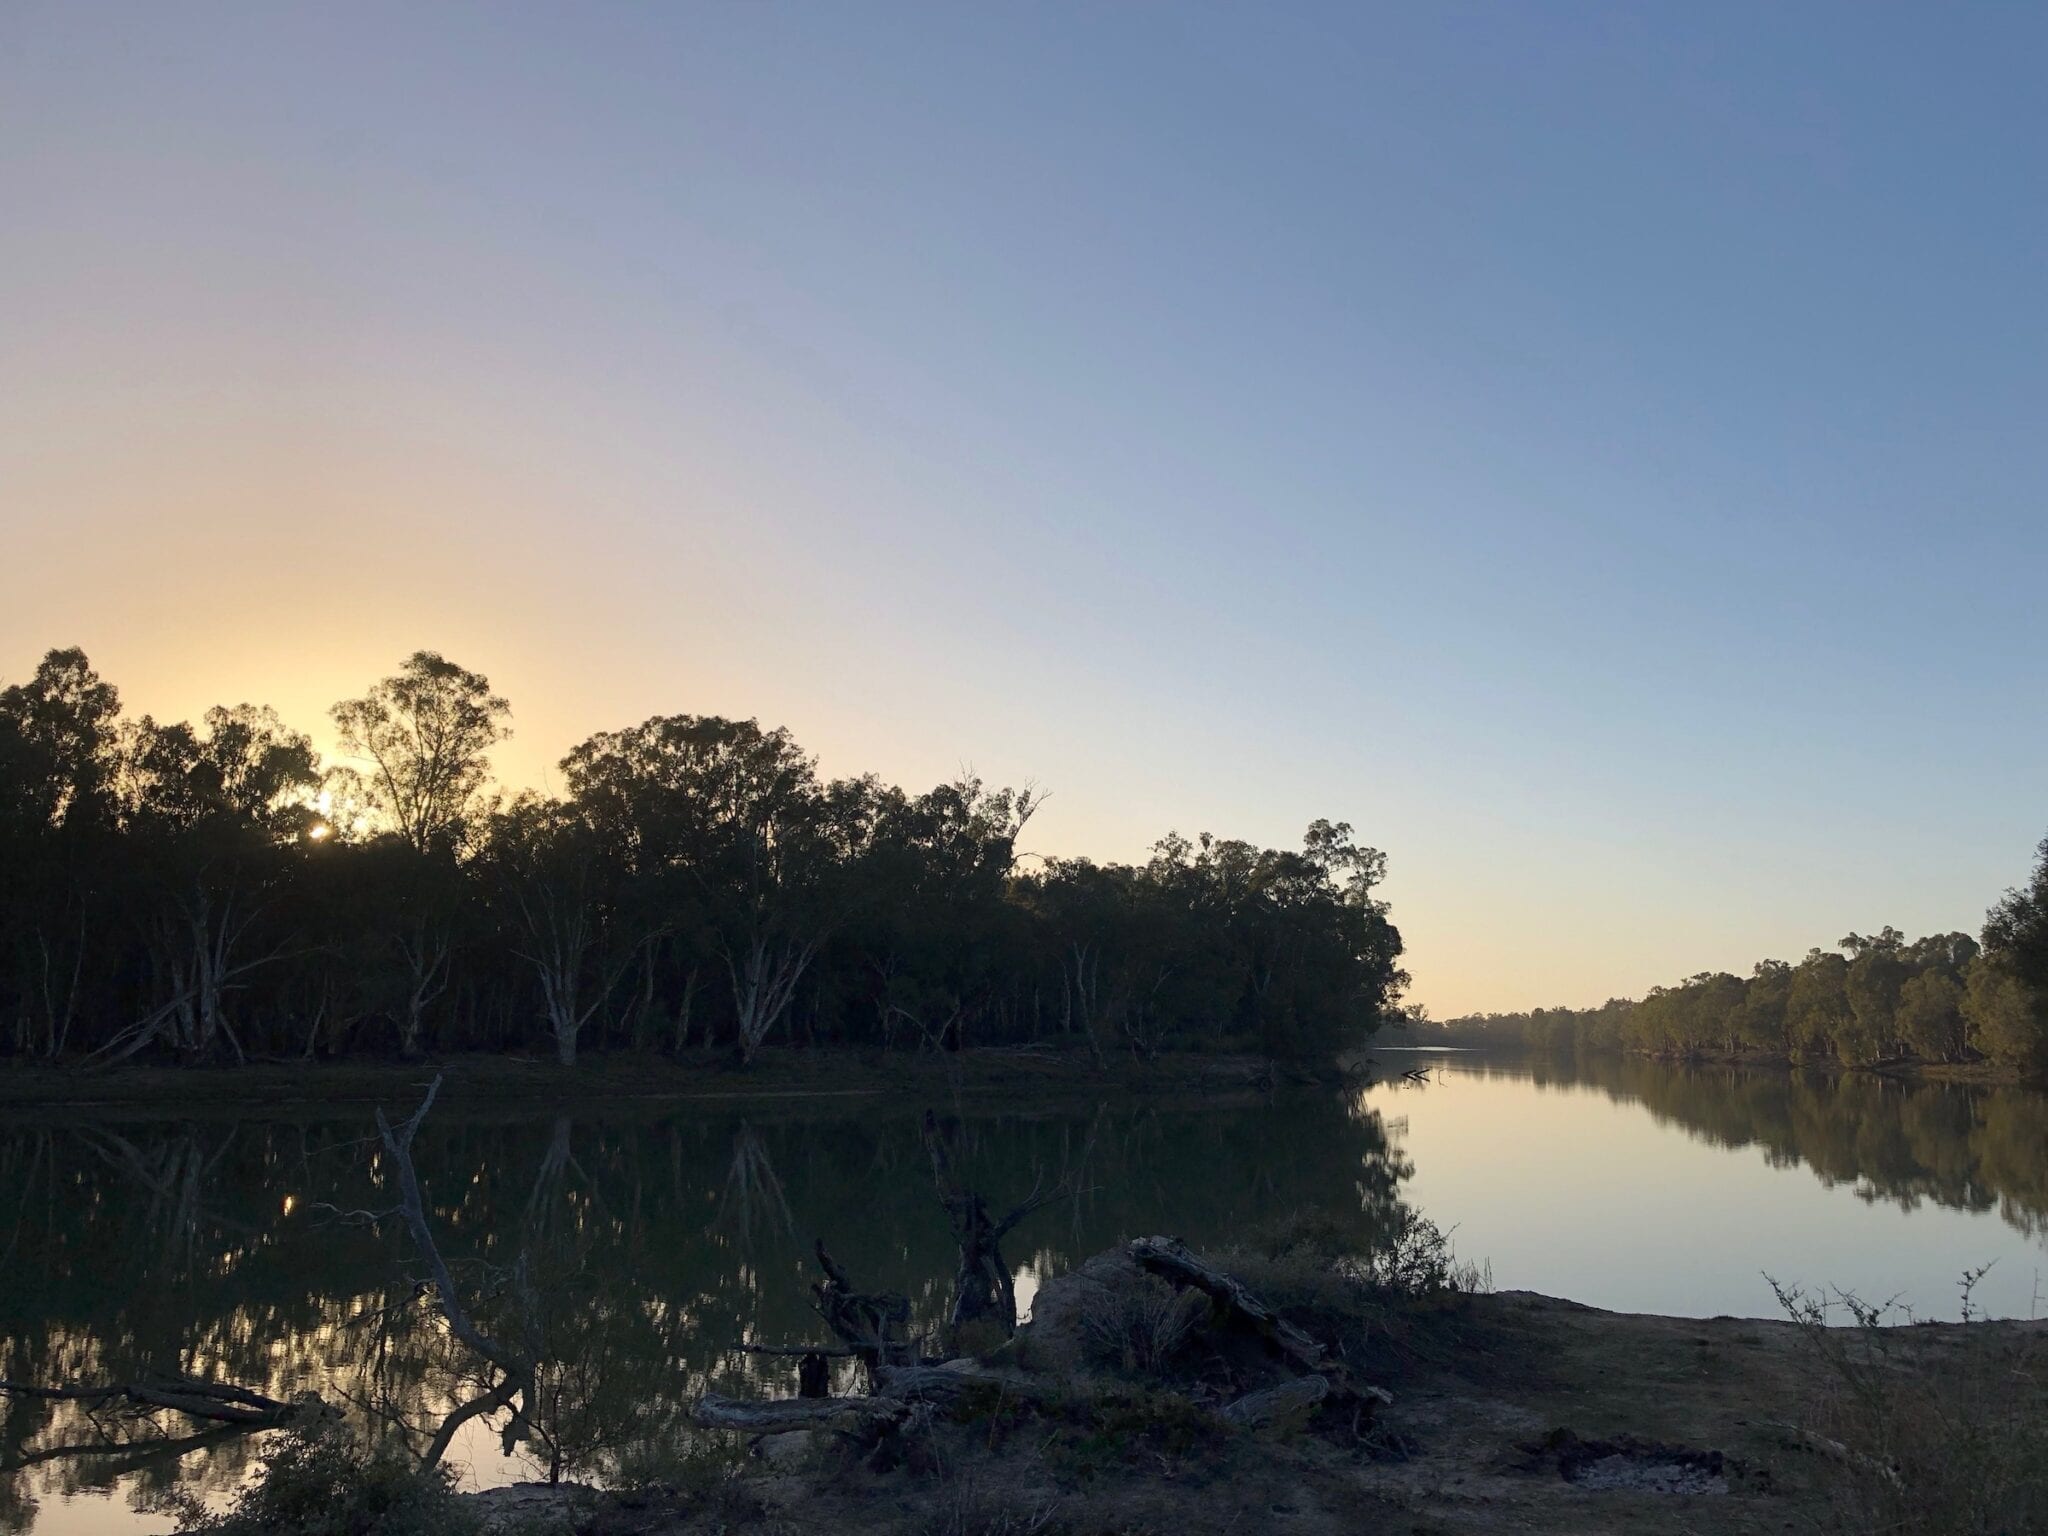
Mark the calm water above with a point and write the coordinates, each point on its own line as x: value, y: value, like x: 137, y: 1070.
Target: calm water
x: 651, y: 1239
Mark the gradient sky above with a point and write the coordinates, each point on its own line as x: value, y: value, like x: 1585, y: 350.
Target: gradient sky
x: 1597, y: 451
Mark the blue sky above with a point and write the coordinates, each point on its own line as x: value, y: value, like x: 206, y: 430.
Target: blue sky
x: 1594, y: 450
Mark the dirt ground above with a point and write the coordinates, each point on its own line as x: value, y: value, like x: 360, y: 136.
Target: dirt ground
x: 1510, y: 1412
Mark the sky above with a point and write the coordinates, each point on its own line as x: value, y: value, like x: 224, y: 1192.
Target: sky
x: 1596, y: 451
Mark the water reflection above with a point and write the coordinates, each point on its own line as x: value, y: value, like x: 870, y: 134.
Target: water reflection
x: 628, y: 1252
x: 629, y: 1249
x: 1967, y: 1147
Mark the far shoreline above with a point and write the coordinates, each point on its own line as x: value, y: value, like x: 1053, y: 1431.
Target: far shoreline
x: 808, y: 1073
x: 815, y: 1074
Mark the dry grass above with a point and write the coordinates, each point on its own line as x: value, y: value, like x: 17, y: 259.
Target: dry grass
x: 1141, y: 1326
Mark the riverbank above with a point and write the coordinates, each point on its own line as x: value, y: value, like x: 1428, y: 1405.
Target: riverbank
x: 1502, y: 1412
x: 1981, y: 1073
x: 614, y: 1076
x: 1984, y: 1074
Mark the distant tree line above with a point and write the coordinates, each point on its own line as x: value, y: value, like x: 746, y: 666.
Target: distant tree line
x: 1873, y: 998
x: 212, y: 891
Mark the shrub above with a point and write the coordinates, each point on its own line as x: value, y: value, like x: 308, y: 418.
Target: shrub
x: 1413, y: 1261
x: 1140, y: 1326
x: 1961, y: 1448
x: 320, y: 1483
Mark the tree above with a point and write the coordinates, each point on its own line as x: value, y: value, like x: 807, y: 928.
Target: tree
x: 56, y: 743
x: 2016, y: 930
x: 555, y: 881
x: 1764, y: 1001
x: 1871, y: 984
x: 57, y: 750
x: 738, y: 811
x: 1817, y: 1010
x: 2010, y: 1022
x: 425, y: 733
x: 205, y: 889
x: 1930, y: 1016
x: 211, y: 812
x: 2004, y: 1017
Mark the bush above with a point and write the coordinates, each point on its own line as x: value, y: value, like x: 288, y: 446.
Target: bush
x: 1309, y: 1260
x: 1413, y: 1261
x: 320, y: 1483
x: 1140, y: 1326
x: 1958, y: 1448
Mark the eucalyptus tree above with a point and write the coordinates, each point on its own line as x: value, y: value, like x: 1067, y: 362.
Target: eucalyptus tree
x: 2003, y: 1015
x: 58, y: 746
x: 934, y: 939
x: 425, y: 735
x: 2016, y: 929
x: 736, y: 811
x: 210, y: 815
x: 401, y: 915
x: 199, y: 889
x: 2007, y: 1000
x: 1765, y: 998
x: 1930, y: 1016
x: 560, y: 893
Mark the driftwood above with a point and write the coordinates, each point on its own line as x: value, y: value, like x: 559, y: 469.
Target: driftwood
x: 983, y: 1287
x: 780, y: 1414
x: 940, y: 1383
x: 898, y: 1390
x: 798, y: 1351
x: 1171, y: 1258
x: 1834, y: 1450
x: 1278, y: 1405
x: 871, y: 1324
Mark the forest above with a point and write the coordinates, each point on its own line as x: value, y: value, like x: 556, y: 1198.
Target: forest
x: 1872, y: 999
x: 214, y: 892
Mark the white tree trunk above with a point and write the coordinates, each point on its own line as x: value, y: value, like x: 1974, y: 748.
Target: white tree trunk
x: 764, y: 979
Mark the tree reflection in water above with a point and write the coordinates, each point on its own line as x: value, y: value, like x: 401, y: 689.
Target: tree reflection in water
x: 627, y: 1251
x: 1968, y: 1147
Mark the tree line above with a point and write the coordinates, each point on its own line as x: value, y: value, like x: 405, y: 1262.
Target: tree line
x: 1873, y: 998
x: 214, y: 891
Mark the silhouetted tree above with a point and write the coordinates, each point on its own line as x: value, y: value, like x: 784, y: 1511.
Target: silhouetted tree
x: 425, y: 733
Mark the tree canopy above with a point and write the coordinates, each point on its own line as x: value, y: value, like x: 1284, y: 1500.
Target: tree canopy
x: 214, y: 891
x: 1868, y: 1000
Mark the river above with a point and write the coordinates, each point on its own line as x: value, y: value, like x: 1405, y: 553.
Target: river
x: 642, y: 1241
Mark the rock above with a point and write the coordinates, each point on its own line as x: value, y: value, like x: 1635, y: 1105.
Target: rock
x: 788, y: 1450
x: 519, y: 1507
x: 1056, y: 1339
x: 1278, y: 1407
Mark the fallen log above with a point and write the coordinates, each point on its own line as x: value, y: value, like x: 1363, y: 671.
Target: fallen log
x: 942, y: 1383
x: 787, y: 1413
x: 1172, y: 1259
x: 798, y: 1351
x: 869, y: 1323
x: 1834, y: 1450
